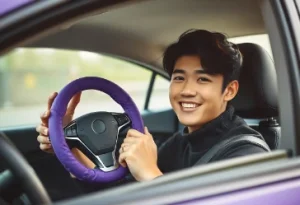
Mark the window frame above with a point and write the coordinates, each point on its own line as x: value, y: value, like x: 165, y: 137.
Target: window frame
x: 155, y: 72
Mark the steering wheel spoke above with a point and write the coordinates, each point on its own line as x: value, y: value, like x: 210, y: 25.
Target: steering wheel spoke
x: 105, y: 162
x: 122, y: 119
x: 70, y: 131
x: 86, y: 132
x: 71, y: 136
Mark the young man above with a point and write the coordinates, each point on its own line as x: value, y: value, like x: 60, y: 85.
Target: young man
x: 204, y: 69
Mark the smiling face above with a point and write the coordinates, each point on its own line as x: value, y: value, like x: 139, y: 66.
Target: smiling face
x: 196, y: 96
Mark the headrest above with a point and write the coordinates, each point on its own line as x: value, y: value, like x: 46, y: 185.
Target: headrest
x: 257, y: 95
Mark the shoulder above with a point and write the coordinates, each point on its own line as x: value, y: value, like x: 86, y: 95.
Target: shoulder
x: 241, y: 140
x: 239, y: 126
x: 243, y: 147
x: 244, y: 150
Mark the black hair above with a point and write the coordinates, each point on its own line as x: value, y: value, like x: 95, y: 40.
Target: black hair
x: 217, y: 54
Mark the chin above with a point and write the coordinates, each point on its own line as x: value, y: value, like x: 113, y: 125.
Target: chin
x: 190, y: 123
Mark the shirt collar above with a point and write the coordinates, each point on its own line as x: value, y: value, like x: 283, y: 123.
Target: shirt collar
x: 212, y: 131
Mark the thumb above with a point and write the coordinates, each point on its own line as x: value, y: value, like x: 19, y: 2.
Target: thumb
x: 123, y: 164
x: 73, y: 104
x: 147, y: 131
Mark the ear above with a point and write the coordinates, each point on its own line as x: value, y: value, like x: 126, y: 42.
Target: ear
x: 231, y: 90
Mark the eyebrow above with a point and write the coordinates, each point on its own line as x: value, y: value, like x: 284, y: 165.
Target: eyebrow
x: 181, y: 71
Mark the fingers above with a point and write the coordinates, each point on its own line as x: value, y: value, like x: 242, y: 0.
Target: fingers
x: 137, y: 134
x: 123, y: 164
x: 147, y: 131
x: 127, y: 143
x: 134, y: 133
x: 130, y: 143
x: 124, y: 147
x: 46, y: 148
x: 43, y: 139
x: 42, y: 130
x: 124, y: 153
x: 71, y: 108
x: 122, y: 159
x: 45, y: 117
x: 45, y: 144
x: 129, y: 140
x: 51, y: 100
x: 133, y: 137
x: 73, y: 104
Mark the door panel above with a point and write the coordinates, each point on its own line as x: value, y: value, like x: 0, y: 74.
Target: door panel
x: 161, y: 124
x: 24, y: 138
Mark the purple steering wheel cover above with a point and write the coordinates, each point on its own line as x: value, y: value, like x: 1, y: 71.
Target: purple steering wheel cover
x: 56, y: 134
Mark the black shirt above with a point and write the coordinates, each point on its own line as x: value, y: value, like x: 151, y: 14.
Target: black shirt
x: 184, y: 149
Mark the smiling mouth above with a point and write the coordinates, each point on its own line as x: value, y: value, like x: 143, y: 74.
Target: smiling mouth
x: 188, y: 106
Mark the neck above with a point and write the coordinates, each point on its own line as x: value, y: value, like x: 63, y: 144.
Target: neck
x: 193, y: 128
x: 196, y: 127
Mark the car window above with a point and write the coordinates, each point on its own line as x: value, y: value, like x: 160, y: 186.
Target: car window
x: 28, y: 76
x: 262, y: 40
x: 160, y: 94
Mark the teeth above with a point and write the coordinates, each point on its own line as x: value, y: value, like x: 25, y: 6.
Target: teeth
x: 188, y: 105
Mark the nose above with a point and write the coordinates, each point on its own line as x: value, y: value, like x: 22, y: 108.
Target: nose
x: 188, y: 90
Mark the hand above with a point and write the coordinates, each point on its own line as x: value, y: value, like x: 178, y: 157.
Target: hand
x: 139, y: 153
x: 42, y: 128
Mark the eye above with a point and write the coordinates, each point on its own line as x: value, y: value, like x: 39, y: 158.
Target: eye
x: 178, y: 78
x: 203, y: 79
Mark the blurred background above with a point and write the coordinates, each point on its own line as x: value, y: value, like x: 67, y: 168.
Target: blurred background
x: 29, y: 75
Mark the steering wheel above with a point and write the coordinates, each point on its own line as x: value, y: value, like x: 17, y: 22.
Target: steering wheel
x: 95, y: 134
x: 19, y: 170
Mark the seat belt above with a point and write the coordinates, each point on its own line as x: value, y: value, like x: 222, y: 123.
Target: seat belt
x: 221, y: 148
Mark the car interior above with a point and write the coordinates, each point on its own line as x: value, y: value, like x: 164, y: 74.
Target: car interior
x: 138, y: 32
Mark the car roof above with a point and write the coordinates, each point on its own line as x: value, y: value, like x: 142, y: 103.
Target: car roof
x: 143, y: 35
